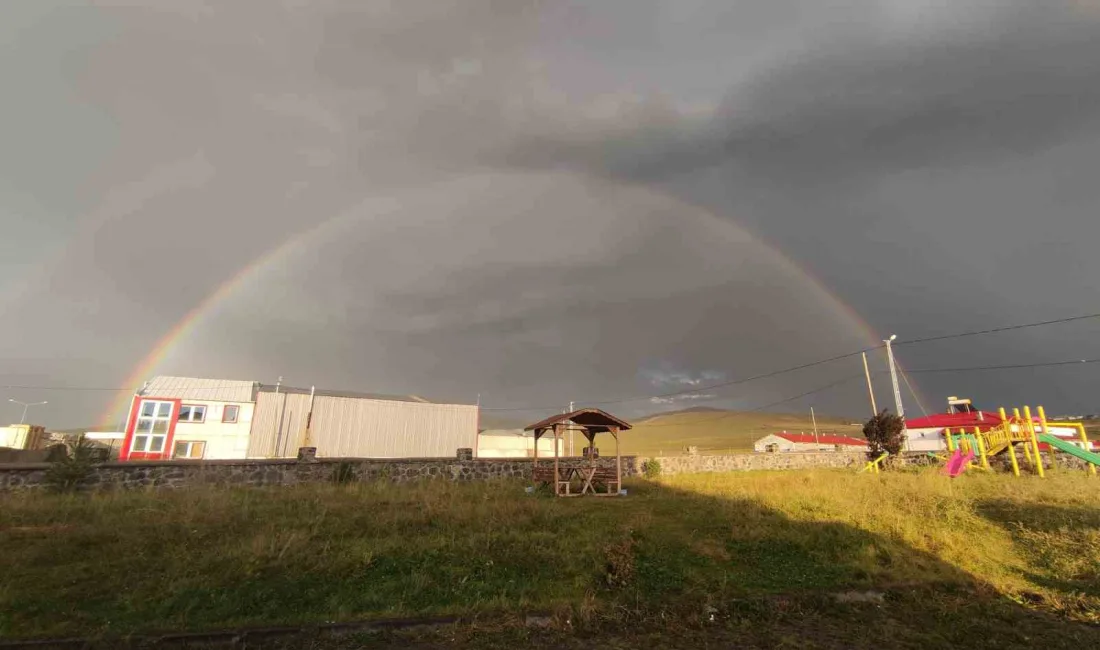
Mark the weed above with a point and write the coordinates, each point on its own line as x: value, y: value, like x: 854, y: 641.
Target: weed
x: 651, y: 468
x: 344, y: 473
x: 619, y: 564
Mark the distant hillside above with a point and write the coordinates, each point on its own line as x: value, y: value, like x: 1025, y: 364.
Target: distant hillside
x: 715, y: 430
x: 692, y: 409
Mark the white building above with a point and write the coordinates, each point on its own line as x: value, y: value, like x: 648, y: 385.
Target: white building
x: 186, y: 417
x: 515, y: 443
x: 22, y: 436
x: 783, y: 442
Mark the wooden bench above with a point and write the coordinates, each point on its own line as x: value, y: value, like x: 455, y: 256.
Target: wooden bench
x: 542, y: 475
x: 607, y: 479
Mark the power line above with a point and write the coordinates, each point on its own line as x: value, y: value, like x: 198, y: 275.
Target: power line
x: 1013, y: 366
x: 755, y: 409
x: 725, y: 384
x: 700, y: 388
x: 995, y: 330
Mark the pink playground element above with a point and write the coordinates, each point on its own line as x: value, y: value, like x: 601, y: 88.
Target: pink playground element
x: 957, y: 463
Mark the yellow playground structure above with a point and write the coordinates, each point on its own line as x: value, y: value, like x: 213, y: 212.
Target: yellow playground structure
x: 1033, y: 435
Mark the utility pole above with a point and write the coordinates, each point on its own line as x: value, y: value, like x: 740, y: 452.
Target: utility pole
x: 814, y: 418
x: 894, y: 380
x: 572, y: 433
x: 275, y: 421
x: 870, y: 388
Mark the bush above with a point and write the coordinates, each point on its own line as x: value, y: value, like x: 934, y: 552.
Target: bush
x: 651, y: 468
x: 69, y: 472
x: 884, y: 434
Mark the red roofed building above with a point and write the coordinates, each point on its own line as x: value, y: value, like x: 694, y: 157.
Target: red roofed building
x: 808, y: 442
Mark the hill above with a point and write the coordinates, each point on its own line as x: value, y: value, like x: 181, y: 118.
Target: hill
x: 715, y: 430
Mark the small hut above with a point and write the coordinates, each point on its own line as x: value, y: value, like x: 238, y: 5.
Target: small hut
x: 590, y: 422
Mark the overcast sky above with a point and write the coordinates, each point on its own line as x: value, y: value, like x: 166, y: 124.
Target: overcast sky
x: 538, y: 202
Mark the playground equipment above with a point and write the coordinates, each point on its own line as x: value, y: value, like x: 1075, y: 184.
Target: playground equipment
x: 1025, y: 431
x: 958, y: 463
x: 875, y: 465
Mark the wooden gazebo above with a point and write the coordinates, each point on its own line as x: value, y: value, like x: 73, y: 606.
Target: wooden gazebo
x: 589, y: 421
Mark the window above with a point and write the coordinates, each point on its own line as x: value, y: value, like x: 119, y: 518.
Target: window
x: 188, y: 449
x: 192, y: 413
x: 230, y: 413
x: 151, y: 429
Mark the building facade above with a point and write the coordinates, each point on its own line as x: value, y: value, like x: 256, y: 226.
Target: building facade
x: 191, y: 418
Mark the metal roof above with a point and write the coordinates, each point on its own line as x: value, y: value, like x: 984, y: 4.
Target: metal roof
x: 292, y: 390
x: 590, y: 418
x: 194, y: 388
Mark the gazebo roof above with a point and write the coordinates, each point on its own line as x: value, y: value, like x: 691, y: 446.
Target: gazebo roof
x: 590, y: 418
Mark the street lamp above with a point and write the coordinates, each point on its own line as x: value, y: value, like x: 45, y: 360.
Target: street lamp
x: 26, y: 405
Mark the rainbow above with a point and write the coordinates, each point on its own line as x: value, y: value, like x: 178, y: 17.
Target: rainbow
x: 146, y: 368
x: 148, y: 365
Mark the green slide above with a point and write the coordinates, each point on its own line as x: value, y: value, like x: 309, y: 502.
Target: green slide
x: 1070, y: 448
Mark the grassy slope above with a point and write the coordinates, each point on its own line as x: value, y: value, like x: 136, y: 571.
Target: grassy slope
x: 126, y: 562
x: 722, y: 431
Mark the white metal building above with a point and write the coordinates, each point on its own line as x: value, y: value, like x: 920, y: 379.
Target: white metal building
x: 358, y: 425
x: 515, y: 443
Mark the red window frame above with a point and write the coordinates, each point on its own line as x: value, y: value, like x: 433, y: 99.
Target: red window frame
x: 236, y: 419
x: 135, y: 408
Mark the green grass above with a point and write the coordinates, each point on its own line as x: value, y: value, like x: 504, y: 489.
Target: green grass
x: 715, y: 431
x: 121, y: 563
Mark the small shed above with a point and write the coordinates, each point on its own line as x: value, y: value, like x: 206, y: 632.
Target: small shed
x: 590, y: 421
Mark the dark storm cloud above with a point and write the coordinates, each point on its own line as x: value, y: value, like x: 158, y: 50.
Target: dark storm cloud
x: 1015, y: 84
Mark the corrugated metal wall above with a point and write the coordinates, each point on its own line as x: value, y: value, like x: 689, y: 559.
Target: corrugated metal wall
x: 360, y: 428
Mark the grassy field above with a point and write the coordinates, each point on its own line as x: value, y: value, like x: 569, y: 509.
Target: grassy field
x: 717, y: 431
x: 989, y: 559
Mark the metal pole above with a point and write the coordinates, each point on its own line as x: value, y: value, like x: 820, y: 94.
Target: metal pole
x: 897, y: 389
x: 814, y: 418
x: 870, y: 388
x: 572, y: 435
x: 275, y: 420
x: 309, y: 418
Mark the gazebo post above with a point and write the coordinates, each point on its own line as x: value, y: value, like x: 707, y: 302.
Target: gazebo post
x: 618, y: 461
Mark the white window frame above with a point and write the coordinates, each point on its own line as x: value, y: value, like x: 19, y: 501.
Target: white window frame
x: 146, y: 425
x: 191, y: 417
x: 190, y: 446
x: 236, y: 416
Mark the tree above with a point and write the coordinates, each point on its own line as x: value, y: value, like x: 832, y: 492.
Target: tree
x: 884, y: 434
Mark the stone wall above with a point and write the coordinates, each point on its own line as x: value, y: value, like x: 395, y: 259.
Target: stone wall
x: 182, y: 474
x: 758, y: 461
